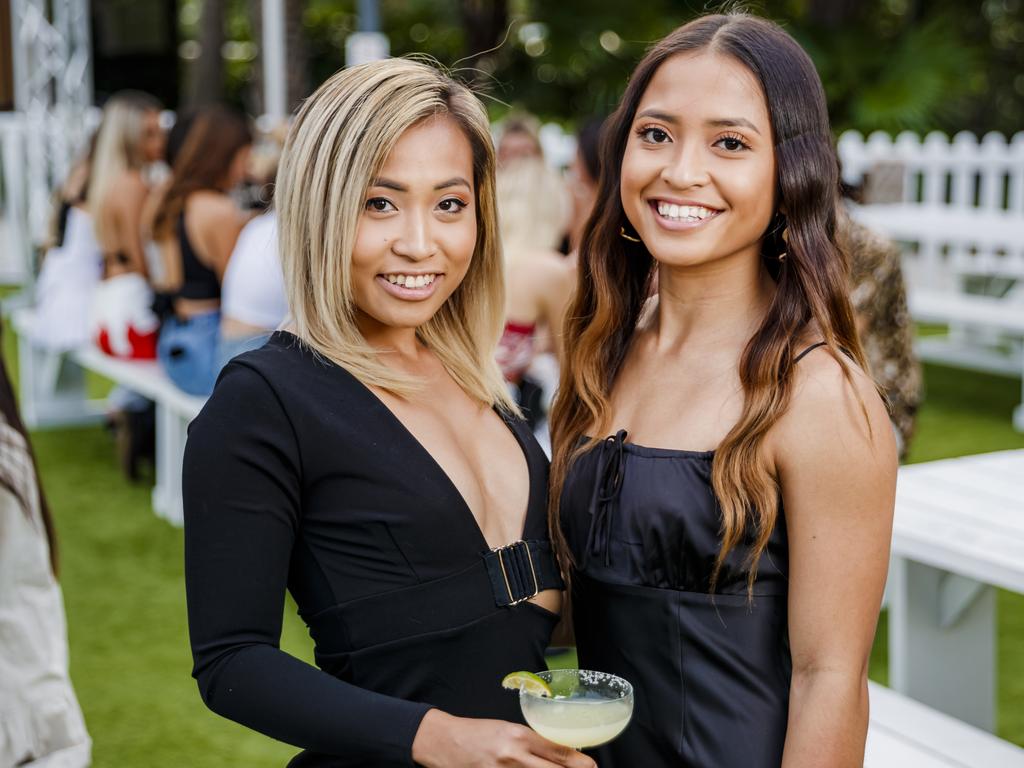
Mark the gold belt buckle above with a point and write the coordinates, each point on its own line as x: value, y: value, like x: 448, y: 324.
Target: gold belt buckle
x: 504, y: 572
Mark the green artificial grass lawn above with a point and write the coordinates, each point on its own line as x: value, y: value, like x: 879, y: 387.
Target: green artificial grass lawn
x: 123, y: 588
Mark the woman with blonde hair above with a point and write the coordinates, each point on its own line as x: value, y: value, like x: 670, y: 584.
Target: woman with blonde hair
x: 533, y: 207
x: 129, y: 138
x: 369, y: 459
x: 724, y: 471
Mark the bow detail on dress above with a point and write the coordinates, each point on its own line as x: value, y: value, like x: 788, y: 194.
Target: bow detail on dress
x: 606, y: 495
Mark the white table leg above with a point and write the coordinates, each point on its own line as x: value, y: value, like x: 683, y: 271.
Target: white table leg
x: 942, y: 641
x: 171, y: 430
x: 1018, y: 412
x: 52, y: 389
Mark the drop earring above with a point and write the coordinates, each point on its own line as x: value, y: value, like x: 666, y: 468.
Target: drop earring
x: 785, y: 240
x: 625, y: 236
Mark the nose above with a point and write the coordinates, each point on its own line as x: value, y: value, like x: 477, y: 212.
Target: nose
x: 416, y: 240
x: 687, y: 167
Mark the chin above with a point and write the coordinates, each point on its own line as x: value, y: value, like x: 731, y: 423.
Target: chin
x: 406, y: 317
x: 674, y: 255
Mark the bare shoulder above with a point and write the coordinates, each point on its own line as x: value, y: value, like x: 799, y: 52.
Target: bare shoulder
x: 209, y: 209
x: 835, y: 416
x: 129, y: 189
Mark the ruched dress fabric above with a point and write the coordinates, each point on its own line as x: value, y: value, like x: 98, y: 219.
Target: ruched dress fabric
x: 711, y: 671
x: 298, y: 477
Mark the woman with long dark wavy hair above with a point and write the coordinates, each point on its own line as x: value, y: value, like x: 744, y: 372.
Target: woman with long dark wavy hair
x: 197, y: 225
x: 729, y: 541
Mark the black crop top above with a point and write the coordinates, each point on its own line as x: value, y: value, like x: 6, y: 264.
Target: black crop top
x: 198, y: 280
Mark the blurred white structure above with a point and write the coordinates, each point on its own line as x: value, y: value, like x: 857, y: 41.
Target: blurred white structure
x: 957, y: 208
x: 275, y: 86
x: 52, y: 91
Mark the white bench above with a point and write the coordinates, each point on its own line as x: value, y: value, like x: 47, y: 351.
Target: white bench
x: 174, y: 411
x: 52, y: 389
x: 960, y: 220
x: 903, y: 733
x: 958, y: 534
x: 53, y: 393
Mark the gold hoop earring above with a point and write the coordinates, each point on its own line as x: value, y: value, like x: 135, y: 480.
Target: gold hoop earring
x: 785, y: 239
x: 622, y: 232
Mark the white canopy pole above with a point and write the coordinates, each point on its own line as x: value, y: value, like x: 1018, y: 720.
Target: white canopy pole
x: 275, y: 81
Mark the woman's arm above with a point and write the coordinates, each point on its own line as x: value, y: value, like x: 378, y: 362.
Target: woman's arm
x: 837, y: 468
x: 559, y: 281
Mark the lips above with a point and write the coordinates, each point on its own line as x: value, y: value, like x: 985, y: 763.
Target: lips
x: 409, y: 286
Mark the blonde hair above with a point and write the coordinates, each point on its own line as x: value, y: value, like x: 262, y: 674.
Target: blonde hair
x: 118, y: 149
x: 532, y: 207
x: 340, y: 140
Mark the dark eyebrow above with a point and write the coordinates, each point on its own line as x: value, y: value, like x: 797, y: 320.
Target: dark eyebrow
x: 454, y: 182
x: 389, y: 184
x: 719, y: 122
x: 663, y: 116
x: 733, y: 122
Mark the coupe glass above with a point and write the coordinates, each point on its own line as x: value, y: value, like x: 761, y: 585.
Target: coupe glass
x: 586, y: 709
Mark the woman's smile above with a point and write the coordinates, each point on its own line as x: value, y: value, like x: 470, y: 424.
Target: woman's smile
x: 410, y: 286
x: 678, y: 216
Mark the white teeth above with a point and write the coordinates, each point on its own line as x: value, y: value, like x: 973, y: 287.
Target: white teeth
x: 684, y: 212
x: 411, y: 281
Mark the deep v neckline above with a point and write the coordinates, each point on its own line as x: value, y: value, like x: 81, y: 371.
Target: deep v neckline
x: 446, y: 480
x: 442, y: 477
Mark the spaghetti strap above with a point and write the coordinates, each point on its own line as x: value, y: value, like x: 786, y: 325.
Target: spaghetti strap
x: 807, y: 351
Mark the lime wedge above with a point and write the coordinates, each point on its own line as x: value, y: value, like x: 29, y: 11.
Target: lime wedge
x: 526, y: 681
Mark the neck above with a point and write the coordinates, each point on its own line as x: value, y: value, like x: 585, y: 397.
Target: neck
x: 715, y: 304
x: 400, y: 345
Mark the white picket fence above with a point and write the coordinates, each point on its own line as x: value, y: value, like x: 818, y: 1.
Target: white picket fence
x: 957, y: 208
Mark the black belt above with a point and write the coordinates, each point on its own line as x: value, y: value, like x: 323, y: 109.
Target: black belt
x: 502, y: 578
x: 522, y: 570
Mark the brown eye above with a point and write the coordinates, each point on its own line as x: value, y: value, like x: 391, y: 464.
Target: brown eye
x: 451, y: 205
x: 378, y: 205
x: 732, y: 144
x: 654, y: 135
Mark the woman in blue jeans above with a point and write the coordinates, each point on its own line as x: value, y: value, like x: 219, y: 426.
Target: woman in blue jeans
x: 197, y: 225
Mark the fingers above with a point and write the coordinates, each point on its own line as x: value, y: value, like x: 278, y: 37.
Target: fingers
x: 560, y: 755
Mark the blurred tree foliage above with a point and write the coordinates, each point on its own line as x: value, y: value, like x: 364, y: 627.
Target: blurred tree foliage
x: 886, y: 64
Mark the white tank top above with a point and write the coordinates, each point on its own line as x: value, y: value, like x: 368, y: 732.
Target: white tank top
x: 252, y: 291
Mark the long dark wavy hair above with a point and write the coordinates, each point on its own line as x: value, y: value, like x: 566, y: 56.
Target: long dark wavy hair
x: 811, y: 283
x: 214, y: 136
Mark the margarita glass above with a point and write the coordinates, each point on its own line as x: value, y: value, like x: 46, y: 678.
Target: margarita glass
x: 585, y: 708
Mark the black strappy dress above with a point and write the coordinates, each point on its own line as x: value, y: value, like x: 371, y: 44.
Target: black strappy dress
x: 711, y: 672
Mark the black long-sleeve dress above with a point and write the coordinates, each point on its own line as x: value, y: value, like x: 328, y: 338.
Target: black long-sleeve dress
x: 298, y: 477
